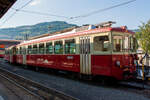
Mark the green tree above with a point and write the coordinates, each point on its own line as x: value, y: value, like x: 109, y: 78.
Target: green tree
x: 143, y: 36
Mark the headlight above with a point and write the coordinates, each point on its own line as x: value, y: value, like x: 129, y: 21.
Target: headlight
x: 118, y: 63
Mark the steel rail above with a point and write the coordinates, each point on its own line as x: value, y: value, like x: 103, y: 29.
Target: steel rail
x: 18, y: 85
x: 37, y: 88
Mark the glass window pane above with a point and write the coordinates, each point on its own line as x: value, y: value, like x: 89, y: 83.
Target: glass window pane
x: 34, y: 49
x: 117, y: 43
x: 101, y: 43
x: 70, y: 46
x: 58, y: 47
x: 126, y: 43
x: 17, y: 51
x: 41, y: 48
x: 20, y: 50
x: 135, y: 44
x: 29, y: 49
x: 49, y: 48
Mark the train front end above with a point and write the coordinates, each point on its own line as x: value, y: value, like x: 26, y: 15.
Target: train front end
x: 124, y: 58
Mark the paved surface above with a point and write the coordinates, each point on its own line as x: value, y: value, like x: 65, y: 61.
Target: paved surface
x: 6, y: 93
x: 1, y: 98
x: 9, y: 91
x: 77, y: 89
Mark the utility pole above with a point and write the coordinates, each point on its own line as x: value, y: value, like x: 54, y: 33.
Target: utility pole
x: 25, y: 35
x: 49, y: 27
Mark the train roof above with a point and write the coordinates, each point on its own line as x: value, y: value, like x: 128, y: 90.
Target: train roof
x: 73, y: 33
x: 8, y: 40
x: 10, y: 47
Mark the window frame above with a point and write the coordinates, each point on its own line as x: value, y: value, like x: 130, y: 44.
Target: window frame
x: 34, y: 49
x: 29, y: 51
x: 41, y: 49
x: 122, y: 43
x: 62, y: 47
x: 47, y: 48
x: 109, y: 44
x: 67, y: 40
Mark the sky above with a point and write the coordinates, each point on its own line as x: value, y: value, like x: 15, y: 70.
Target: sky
x: 131, y: 15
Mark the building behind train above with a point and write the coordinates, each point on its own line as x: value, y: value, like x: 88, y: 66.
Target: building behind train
x: 5, y: 44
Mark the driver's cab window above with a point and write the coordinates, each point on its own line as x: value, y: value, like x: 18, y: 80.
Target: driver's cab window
x: 117, y: 43
x: 101, y: 43
x: 126, y: 43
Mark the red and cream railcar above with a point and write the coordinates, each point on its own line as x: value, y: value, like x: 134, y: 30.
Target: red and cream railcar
x: 10, y: 54
x: 104, y: 51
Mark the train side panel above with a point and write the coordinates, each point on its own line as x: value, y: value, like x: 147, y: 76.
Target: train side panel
x: 101, y: 65
x: 19, y: 59
x: 126, y: 66
x: 7, y: 58
x: 62, y: 62
x: 2, y: 55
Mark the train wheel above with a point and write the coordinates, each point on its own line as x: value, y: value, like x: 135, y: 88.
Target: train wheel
x: 25, y: 66
x: 37, y: 68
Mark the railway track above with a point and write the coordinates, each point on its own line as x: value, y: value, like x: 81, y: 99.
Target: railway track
x: 34, y: 88
x: 133, y: 85
x: 93, y: 86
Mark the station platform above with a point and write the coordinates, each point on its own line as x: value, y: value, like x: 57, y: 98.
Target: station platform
x: 6, y: 93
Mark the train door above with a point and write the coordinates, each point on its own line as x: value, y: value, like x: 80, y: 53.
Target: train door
x: 85, y: 56
x: 24, y: 55
x: 126, y: 51
x: 11, y: 55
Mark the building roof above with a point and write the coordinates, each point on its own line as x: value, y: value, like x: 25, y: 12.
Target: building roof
x: 5, y: 5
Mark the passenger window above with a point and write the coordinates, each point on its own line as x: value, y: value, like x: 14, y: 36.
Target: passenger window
x: 49, y: 48
x: 126, y: 43
x: 101, y: 43
x: 34, y: 50
x: 23, y: 50
x: 17, y: 51
x: 14, y: 51
x: 20, y: 50
x: 29, y: 49
x: 58, y: 47
x: 135, y: 44
x: 41, y: 48
x: 70, y: 46
x: 117, y: 43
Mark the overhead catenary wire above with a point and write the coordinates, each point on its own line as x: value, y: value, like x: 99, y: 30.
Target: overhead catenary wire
x: 68, y: 18
x: 16, y: 12
x: 41, y: 13
x: 102, y: 10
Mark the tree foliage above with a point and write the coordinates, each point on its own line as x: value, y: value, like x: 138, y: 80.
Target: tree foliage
x: 143, y: 36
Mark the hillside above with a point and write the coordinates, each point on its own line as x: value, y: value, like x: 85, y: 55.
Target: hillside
x: 33, y: 30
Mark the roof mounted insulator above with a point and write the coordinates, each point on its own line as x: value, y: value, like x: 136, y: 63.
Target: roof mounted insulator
x: 105, y: 24
x: 124, y: 27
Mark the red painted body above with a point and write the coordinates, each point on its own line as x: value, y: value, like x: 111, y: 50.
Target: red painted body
x: 101, y: 65
x: 10, y: 58
x: 19, y: 59
x: 127, y: 63
x: 55, y: 61
x: 2, y: 55
x: 7, y: 58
